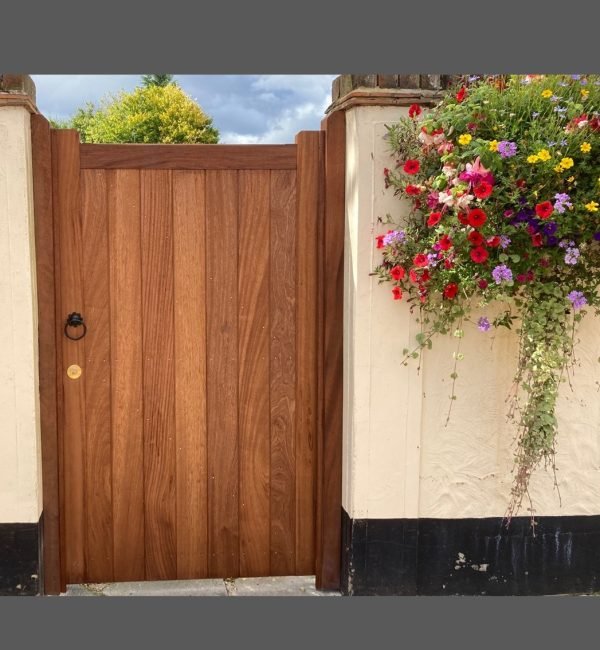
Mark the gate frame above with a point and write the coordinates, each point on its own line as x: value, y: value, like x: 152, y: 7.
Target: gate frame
x: 331, y: 218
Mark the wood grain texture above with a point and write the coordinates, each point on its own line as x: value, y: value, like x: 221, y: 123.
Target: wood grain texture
x: 189, y: 232
x: 308, y: 178
x: 329, y: 534
x: 254, y: 407
x: 126, y: 374
x: 65, y: 194
x: 159, y: 378
x: 188, y: 156
x: 98, y: 452
x: 222, y: 368
x: 44, y: 246
x: 283, y: 372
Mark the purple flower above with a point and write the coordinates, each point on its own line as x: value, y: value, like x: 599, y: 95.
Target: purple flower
x: 504, y: 241
x: 560, y: 109
x: 551, y: 240
x: 554, y: 98
x: 483, y: 324
x: 562, y: 200
x: 432, y: 259
x: 502, y: 272
x: 394, y: 237
x: 578, y: 300
x: 597, y: 236
x: 583, y: 82
x: 534, y: 114
x: 507, y: 149
x: 473, y: 78
x: 566, y: 244
x: 577, y: 77
x: 571, y: 256
x: 550, y: 228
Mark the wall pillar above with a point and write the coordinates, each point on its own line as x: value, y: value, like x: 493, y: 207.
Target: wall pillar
x: 20, y: 445
x: 423, y: 501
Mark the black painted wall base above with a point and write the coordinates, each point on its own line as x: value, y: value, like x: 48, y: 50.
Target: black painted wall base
x: 468, y: 557
x: 20, y: 553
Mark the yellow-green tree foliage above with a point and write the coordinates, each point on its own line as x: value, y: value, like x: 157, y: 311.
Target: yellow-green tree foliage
x: 148, y: 114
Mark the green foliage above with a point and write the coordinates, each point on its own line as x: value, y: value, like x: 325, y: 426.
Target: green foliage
x: 157, y: 80
x: 150, y: 114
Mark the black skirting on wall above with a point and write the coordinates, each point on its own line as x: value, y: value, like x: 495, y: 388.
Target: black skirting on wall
x: 20, y: 553
x: 435, y: 557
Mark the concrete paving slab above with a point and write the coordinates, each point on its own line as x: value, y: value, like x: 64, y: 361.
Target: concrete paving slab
x: 279, y: 586
x: 181, y: 588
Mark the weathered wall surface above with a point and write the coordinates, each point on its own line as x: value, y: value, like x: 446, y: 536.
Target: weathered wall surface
x: 20, y: 458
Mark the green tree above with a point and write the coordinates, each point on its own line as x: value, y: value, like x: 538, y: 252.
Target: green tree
x: 157, y: 79
x: 152, y: 113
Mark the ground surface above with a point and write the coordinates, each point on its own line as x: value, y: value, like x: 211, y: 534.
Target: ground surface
x: 284, y: 586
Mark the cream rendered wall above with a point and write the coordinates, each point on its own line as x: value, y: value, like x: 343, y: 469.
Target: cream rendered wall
x: 400, y: 458
x: 20, y: 457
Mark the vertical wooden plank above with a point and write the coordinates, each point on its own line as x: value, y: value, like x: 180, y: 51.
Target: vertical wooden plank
x: 66, y: 206
x: 222, y: 370
x: 98, y: 452
x: 329, y: 503
x: 283, y: 371
x: 308, y: 178
x: 44, y: 245
x: 189, y: 221
x: 254, y: 408
x: 158, y: 373
x: 126, y: 374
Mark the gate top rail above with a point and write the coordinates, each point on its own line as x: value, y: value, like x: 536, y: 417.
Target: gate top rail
x: 188, y: 156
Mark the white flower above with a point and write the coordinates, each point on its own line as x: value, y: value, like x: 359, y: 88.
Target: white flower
x: 449, y: 171
x: 463, y: 201
x: 446, y: 199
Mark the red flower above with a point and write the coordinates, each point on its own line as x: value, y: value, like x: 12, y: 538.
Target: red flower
x: 413, y: 190
x: 414, y: 110
x: 462, y: 217
x: 379, y: 240
x: 537, y: 239
x: 434, y: 219
x: 425, y: 277
x: 448, y: 264
x: 445, y: 243
x: 479, y: 255
x: 544, y: 210
x: 460, y: 95
x: 493, y: 242
x: 412, y: 166
x: 397, y: 292
x: 476, y: 218
x: 482, y: 284
x: 420, y: 260
x: 475, y: 237
x: 450, y: 290
x: 482, y: 190
x: 397, y: 273
x: 521, y: 184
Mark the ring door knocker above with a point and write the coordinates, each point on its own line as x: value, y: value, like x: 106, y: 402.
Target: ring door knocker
x: 75, y: 320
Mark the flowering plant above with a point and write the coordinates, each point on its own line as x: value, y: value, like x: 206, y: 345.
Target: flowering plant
x: 503, y: 182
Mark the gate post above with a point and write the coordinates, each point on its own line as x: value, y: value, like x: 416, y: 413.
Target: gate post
x: 20, y: 444
x: 423, y: 496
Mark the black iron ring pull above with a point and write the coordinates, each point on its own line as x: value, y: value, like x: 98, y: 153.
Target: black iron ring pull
x: 75, y: 320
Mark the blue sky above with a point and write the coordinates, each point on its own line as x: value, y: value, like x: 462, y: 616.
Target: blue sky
x: 245, y: 108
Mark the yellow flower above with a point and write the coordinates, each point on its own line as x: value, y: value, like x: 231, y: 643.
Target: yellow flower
x: 493, y: 145
x: 584, y: 93
x: 586, y: 147
x: 547, y: 93
x: 567, y: 163
x: 558, y: 169
x: 570, y: 179
x: 592, y: 206
x: 465, y: 138
x: 544, y: 155
x: 533, y: 159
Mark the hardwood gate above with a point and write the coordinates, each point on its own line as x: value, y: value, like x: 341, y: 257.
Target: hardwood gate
x: 188, y: 436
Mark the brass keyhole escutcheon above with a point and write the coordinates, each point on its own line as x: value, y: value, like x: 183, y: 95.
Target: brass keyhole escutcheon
x: 74, y: 371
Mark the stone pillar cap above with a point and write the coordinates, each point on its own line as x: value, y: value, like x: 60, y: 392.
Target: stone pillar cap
x: 17, y: 90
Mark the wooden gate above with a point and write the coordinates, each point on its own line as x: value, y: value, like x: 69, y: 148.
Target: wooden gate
x: 188, y: 436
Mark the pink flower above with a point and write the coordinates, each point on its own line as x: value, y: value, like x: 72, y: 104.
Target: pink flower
x: 432, y: 200
x: 475, y: 173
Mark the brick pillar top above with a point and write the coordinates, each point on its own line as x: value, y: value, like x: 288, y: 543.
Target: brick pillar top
x: 387, y: 90
x: 17, y: 90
